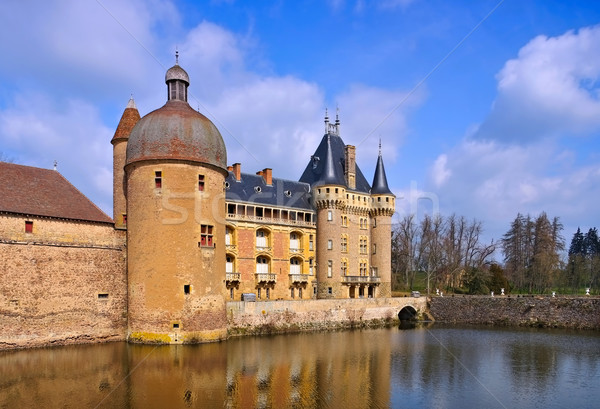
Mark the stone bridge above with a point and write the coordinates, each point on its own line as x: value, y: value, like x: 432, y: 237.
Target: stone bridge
x: 246, y: 317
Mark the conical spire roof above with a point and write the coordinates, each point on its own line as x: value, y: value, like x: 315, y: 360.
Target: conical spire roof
x: 380, y: 185
x: 130, y: 117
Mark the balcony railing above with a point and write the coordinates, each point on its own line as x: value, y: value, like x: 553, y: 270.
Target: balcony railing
x: 295, y: 250
x: 299, y: 278
x: 266, y: 277
x: 232, y: 276
x: 264, y: 248
x: 232, y: 247
x: 274, y: 220
x: 360, y: 279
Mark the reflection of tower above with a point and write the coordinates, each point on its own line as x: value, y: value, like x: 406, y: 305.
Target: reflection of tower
x: 382, y: 209
x: 128, y: 120
x: 175, y: 171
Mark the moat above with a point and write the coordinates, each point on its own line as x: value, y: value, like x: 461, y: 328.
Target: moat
x: 435, y: 366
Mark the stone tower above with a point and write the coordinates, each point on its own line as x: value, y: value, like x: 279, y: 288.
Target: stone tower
x: 383, y: 204
x: 128, y: 120
x: 175, y: 170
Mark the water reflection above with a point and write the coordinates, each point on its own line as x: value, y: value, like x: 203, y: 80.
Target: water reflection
x: 396, y: 367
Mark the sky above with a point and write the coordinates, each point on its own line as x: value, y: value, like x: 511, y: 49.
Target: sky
x: 485, y: 109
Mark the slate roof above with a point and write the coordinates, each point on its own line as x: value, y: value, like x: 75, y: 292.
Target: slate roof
x: 43, y: 192
x: 326, y: 166
x: 380, y: 185
x: 282, y: 193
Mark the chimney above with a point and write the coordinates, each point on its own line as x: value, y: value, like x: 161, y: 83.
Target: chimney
x: 268, y: 176
x: 350, y: 166
x: 237, y: 171
x: 230, y: 168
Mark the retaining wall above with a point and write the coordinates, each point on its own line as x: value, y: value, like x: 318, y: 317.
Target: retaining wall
x: 539, y: 311
x: 246, y: 317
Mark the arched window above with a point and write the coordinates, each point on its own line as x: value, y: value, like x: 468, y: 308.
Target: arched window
x: 229, y: 264
x: 295, y: 266
x: 294, y: 241
x: 261, y: 238
x: 262, y: 265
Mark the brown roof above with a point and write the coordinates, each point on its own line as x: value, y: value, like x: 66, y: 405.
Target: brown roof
x: 44, y: 192
x: 128, y: 120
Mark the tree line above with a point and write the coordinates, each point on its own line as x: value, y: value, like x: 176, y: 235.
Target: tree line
x: 448, y: 253
x: 444, y: 251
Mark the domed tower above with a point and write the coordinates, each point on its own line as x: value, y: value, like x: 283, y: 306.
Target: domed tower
x: 175, y: 172
x: 383, y: 207
x: 128, y: 120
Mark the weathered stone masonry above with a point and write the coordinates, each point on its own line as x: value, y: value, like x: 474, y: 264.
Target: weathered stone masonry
x: 560, y: 312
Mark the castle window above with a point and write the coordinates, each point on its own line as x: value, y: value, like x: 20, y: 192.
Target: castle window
x: 186, y: 289
x: 374, y: 248
x: 299, y: 292
x: 379, y: 199
x: 310, y: 266
x: 158, y: 179
x: 329, y: 268
x: 344, y: 244
x: 28, y: 227
x: 201, y: 183
x: 336, y: 190
x: 206, y: 235
x: 268, y: 293
x: 344, y: 268
x: 231, y: 293
x: 103, y: 296
x: 261, y: 239
x: 374, y: 223
x: 329, y: 290
x: 259, y: 293
x: 329, y: 215
x: 310, y: 242
x: 326, y: 190
x: 387, y: 199
x: 176, y: 326
x: 329, y: 244
x: 292, y: 292
x: 295, y: 266
x: 124, y: 218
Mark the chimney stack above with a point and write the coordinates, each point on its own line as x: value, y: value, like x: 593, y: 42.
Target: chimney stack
x: 268, y: 176
x: 350, y: 166
x: 237, y: 171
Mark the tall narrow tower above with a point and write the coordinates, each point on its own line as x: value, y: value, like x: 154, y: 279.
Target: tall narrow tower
x: 175, y: 172
x: 128, y: 120
x: 383, y: 206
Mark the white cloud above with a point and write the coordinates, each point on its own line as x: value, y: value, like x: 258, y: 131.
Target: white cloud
x: 493, y: 182
x: 551, y: 89
x: 37, y: 131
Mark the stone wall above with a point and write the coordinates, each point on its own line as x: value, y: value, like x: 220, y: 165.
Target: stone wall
x: 542, y: 311
x: 289, y: 316
x: 60, y: 286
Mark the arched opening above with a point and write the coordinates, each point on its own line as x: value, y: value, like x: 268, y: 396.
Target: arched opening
x: 262, y: 265
x: 230, y: 264
x: 295, y: 265
x: 407, y: 313
x: 295, y: 241
x: 262, y: 239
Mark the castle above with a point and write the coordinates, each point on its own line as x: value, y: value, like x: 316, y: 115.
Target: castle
x: 189, y: 234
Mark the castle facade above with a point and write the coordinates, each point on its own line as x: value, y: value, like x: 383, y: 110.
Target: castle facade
x: 189, y: 233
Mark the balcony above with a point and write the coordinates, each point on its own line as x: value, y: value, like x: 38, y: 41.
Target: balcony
x: 295, y: 250
x: 268, y: 249
x: 231, y: 247
x: 361, y: 280
x: 299, y: 278
x: 266, y: 277
x: 230, y: 277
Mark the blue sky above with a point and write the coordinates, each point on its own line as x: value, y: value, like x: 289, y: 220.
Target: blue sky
x: 484, y: 109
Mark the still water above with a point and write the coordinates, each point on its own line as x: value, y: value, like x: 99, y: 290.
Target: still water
x: 435, y: 367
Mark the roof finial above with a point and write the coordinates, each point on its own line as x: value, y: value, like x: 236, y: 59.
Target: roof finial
x: 176, y: 56
x: 55, y: 164
x: 337, y: 114
x: 379, y: 145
